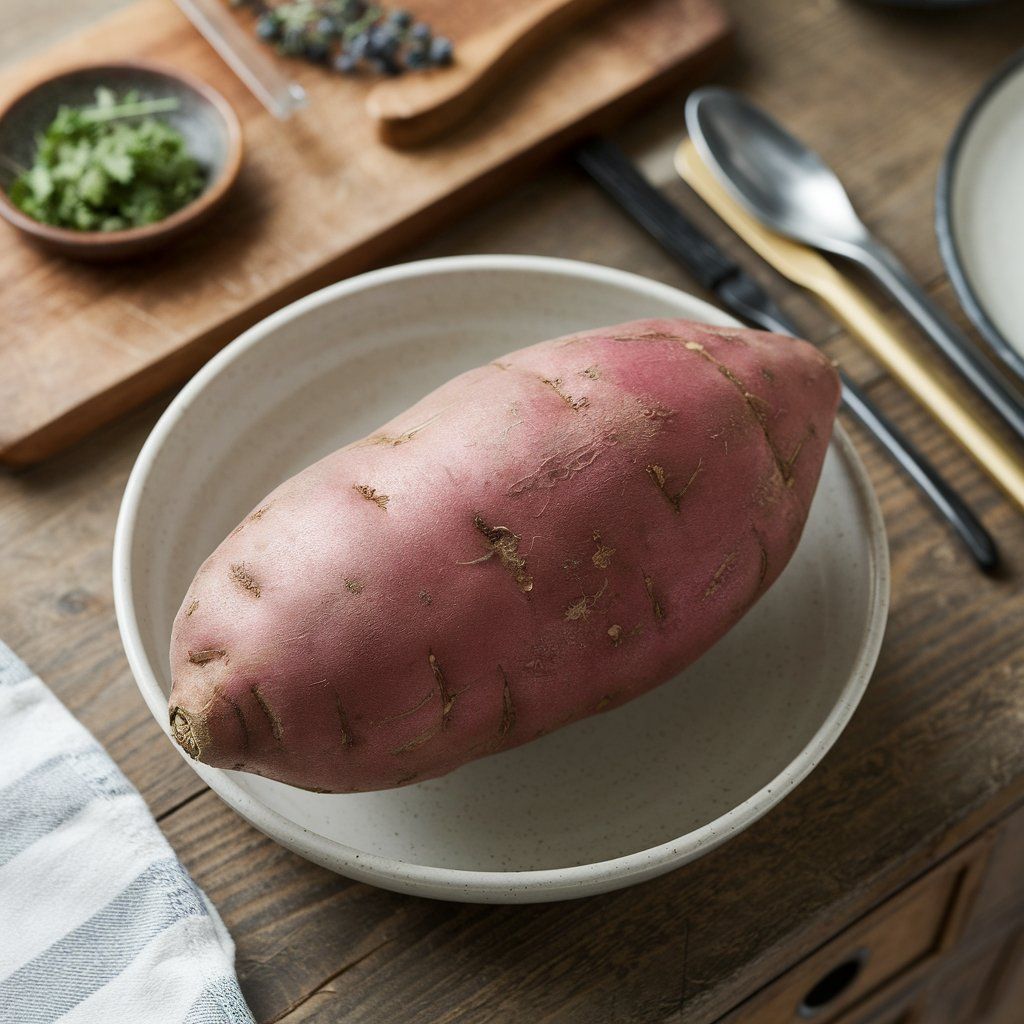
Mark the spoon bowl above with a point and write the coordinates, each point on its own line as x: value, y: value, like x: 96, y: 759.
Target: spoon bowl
x: 790, y: 189
x: 774, y: 175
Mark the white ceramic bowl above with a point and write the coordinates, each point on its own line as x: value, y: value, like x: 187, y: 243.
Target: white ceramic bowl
x: 602, y: 804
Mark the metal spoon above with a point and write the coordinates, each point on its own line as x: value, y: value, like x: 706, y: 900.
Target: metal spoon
x: 789, y: 188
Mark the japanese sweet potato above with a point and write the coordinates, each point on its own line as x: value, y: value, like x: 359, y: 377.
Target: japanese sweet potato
x: 539, y: 539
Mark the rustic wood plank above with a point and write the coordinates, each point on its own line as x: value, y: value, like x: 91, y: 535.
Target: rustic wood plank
x: 56, y: 605
x: 28, y: 28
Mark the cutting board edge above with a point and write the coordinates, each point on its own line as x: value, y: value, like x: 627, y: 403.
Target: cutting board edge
x: 21, y: 450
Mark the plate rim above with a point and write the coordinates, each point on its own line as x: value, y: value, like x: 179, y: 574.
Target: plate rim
x: 949, y: 248
x: 471, y: 885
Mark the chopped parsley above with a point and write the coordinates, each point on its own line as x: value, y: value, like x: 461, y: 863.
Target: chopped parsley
x: 109, y: 167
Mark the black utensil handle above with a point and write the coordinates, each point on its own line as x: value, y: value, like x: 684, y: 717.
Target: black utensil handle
x: 948, y: 503
x: 658, y: 216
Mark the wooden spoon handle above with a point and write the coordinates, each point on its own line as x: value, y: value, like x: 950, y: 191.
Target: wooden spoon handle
x: 417, y: 108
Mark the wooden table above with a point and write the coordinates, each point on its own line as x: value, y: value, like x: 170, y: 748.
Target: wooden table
x: 922, y: 785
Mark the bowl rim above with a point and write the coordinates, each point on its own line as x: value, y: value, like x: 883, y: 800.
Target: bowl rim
x: 945, y: 224
x: 70, y: 239
x: 470, y: 884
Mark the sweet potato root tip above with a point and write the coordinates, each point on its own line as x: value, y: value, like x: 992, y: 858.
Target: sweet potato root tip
x: 275, y: 723
x: 576, y: 404
x: 505, y: 544
x: 602, y: 557
x: 370, y: 494
x: 208, y: 655
x: 192, y: 606
x: 656, y: 608
x: 190, y: 732
x: 354, y: 586
x: 615, y: 634
x: 720, y: 573
x: 245, y: 579
x: 508, y: 708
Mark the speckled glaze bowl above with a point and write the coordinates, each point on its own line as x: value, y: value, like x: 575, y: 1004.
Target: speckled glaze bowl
x: 604, y: 803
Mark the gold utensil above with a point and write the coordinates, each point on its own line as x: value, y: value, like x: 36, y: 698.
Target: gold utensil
x: 948, y: 404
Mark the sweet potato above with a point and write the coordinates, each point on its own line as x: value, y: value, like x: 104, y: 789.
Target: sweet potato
x: 540, y: 539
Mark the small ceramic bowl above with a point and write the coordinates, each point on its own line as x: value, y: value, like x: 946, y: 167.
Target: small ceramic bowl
x: 209, y: 125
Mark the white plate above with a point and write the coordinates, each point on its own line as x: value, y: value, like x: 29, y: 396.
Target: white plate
x: 602, y: 804
x: 979, y: 212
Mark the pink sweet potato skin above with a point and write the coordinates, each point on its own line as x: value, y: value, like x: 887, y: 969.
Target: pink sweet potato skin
x: 540, y: 539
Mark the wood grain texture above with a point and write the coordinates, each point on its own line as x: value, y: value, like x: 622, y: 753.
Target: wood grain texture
x: 931, y: 758
x: 890, y: 948
x: 411, y: 110
x: 319, y: 198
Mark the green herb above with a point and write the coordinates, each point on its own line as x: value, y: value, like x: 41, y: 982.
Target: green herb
x: 109, y: 167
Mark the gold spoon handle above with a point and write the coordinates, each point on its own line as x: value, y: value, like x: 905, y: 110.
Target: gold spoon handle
x: 947, y: 402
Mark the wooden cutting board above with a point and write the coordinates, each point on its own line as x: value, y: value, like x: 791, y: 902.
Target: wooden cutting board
x: 319, y: 198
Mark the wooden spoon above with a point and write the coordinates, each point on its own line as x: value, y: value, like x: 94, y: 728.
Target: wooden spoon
x: 417, y: 108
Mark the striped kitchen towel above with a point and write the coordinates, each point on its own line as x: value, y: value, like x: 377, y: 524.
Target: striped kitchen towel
x: 99, y: 921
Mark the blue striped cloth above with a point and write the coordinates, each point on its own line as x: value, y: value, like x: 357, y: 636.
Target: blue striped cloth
x: 99, y: 921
